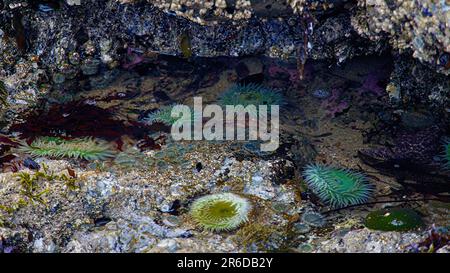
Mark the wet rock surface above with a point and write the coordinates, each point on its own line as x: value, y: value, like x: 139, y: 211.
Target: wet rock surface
x: 140, y: 200
x: 102, y: 78
x: 364, y: 240
x: 52, y: 47
x: 46, y: 47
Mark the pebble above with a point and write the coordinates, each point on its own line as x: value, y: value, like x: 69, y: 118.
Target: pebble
x: 169, y: 244
x: 260, y: 187
x: 171, y: 221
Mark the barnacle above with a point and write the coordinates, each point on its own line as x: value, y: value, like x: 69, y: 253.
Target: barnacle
x: 251, y: 94
x: 83, y: 148
x: 337, y: 187
x: 206, y: 12
x: 223, y: 211
x: 301, y: 6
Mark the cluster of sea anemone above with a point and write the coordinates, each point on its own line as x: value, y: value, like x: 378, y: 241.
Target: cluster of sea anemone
x: 251, y: 94
x: 337, y: 187
x: 220, y: 212
x: 205, y: 12
x: 83, y: 148
x: 173, y: 153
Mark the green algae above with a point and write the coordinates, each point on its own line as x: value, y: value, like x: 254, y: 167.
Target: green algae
x: 394, y: 219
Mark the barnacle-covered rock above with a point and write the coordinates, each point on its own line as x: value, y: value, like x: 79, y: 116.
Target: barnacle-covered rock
x: 422, y: 26
x: 417, y: 28
x: 413, y: 84
x: 213, y: 11
x: 57, y: 43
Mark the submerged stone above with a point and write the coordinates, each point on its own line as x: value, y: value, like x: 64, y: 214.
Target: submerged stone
x: 313, y: 219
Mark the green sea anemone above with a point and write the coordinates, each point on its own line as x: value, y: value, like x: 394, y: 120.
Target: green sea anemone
x: 84, y: 148
x: 337, y: 187
x: 162, y: 115
x: 313, y: 219
x: 393, y: 219
x: 301, y: 228
x: 305, y: 248
x: 250, y: 94
x: 223, y: 211
x: 446, y: 154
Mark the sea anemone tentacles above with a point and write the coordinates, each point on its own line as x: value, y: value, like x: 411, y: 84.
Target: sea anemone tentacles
x: 83, y: 148
x: 223, y: 211
x: 163, y: 115
x: 337, y: 187
x: 251, y: 94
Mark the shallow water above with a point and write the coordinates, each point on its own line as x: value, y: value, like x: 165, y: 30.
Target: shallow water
x: 331, y: 114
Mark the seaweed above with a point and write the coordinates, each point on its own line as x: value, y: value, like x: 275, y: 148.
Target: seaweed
x: 437, y: 238
x: 30, y: 187
x: 185, y: 46
x: 254, y: 234
x: 3, y: 94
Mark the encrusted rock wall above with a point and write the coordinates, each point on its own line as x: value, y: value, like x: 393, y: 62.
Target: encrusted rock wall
x: 422, y: 26
x: 45, y: 44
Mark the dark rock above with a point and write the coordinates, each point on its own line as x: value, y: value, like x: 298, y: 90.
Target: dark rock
x: 249, y: 67
x: 31, y: 164
x: 282, y: 171
x: 99, y: 222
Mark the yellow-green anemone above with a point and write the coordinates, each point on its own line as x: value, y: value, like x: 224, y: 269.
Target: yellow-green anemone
x: 223, y: 211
